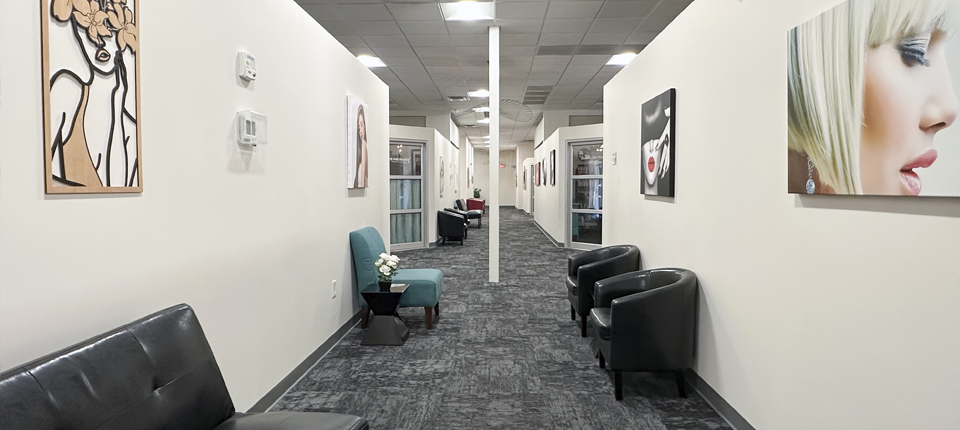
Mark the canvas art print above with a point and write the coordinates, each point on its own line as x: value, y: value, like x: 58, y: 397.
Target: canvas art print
x: 357, y: 163
x: 658, y: 144
x: 872, y: 100
x: 91, y: 96
x: 442, y: 178
x: 553, y: 167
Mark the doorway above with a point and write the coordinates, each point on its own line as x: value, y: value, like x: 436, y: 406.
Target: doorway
x: 406, y: 197
x: 585, y: 197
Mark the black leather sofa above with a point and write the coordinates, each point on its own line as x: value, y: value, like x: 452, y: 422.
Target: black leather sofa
x: 646, y: 321
x: 586, y: 268
x: 155, y: 373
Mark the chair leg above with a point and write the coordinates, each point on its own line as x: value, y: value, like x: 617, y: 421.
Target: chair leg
x: 583, y: 326
x: 617, y: 385
x: 603, y: 363
x: 436, y: 308
x: 681, y: 384
x: 429, y: 315
x: 365, y: 311
x: 573, y: 313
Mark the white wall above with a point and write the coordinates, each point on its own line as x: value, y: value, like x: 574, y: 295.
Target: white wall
x: 523, y: 152
x: 551, y: 208
x: 508, y: 178
x: 816, y: 312
x: 481, y: 163
x: 251, y: 238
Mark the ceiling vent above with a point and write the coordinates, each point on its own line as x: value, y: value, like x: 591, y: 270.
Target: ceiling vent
x: 458, y: 98
x: 536, y: 95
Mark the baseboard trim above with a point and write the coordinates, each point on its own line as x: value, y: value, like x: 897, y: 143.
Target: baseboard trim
x: 717, y: 402
x: 552, y: 240
x: 281, y: 389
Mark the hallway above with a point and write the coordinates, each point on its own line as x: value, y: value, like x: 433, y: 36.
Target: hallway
x: 502, y: 355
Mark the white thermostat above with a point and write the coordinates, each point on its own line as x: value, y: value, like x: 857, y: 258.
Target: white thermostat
x: 246, y: 66
x: 251, y: 128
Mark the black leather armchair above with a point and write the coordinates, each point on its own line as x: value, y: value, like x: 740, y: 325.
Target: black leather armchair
x: 471, y: 214
x: 154, y: 373
x: 586, y: 268
x: 450, y: 226
x: 466, y: 221
x: 646, y: 321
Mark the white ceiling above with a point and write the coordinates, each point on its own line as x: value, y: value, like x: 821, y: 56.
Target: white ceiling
x: 544, y: 43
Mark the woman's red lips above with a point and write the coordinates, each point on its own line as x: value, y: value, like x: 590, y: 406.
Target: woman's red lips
x: 922, y: 161
x: 651, y: 164
x: 910, y: 178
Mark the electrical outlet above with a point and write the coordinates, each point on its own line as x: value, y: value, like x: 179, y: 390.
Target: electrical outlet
x: 334, y: 289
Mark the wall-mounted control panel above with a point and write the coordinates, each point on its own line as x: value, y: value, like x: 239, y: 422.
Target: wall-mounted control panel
x: 251, y: 128
x: 246, y: 66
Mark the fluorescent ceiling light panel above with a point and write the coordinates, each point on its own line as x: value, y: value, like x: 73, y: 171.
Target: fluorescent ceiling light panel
x: 483, y: 121
x: 370, y: 61
x: 481, y: 109
x: 467, y: 11
x: 621, y: 59
x: 478, y: 93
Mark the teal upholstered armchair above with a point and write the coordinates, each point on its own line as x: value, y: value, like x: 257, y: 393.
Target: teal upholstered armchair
x: 425, y: 284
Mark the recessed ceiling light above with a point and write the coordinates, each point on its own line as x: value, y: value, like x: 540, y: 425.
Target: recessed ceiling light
x: 486, y: 137
x: 467, y: 11
x: 483, y: 121
x: 478, y: 93
x: 481, y: 109
x: 621, y: 59
x: 370, y: 61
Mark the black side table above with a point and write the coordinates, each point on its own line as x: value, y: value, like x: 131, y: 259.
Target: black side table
x: 385, y: 328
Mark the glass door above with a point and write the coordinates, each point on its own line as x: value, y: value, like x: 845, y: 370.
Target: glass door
x: 586, y: 194
x: 406, y: 203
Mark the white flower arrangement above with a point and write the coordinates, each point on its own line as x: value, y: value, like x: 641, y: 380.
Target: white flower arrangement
x: 387, y: 266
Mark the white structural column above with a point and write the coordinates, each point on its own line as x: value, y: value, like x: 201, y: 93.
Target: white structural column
x: 494, y: 215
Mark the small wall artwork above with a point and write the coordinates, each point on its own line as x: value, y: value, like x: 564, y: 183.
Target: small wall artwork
x: 658, y: 144
x: 872, y: 98
x: 357, y: 163
x: 442, y: 177
x: 553, y: 167
x: 524, y: 178
x: 91, y: 96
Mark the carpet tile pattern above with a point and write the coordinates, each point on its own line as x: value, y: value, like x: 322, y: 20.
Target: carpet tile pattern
x: 504, y: 355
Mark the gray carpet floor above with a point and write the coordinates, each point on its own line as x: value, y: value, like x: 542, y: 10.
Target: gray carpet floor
x: 503, y: 355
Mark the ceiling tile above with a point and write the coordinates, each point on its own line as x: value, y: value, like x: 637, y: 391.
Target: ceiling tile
x: 472, y: 40
x: 436, y: 52
x: 556, y: 39
x: 473, y: 51
x: 415, y: 12
x: 525, y: 61
x: 576, y: 9
x: 383, y: 41
x: 375, y: 28
x: 429, y: 40
x: 567, y: 25
x: 439, y: 61
x: 352, y: 41
x: 363, y: 12
x: 479, y: 62
x: 551, y: 60
x: 519, y: 39
x: 615, y: 25
x: 395, y: 52
x: 400, y: 61
x: 523, y: 26
x: 338, y: 28
x: 423, y: 27
x: 627, y: 9
x: 435, y: 71
x: 641, y: 37
x: 362, y: 51
x: 604, y: 38
x: 524, y: 10
x: 467, y: 27
x: 515, y: 51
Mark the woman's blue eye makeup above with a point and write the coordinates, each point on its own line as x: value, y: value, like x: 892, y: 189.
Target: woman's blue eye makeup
x: 913, y: 50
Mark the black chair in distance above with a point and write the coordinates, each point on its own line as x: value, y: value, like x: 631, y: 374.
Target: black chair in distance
x: 586, y: 268
x: 471, y: 214
x: 450, y: 226
x: 646, y: 321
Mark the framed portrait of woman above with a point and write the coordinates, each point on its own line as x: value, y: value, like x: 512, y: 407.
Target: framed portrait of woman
x: 872, y: 100
x: 357, y: 163
x: 658, y: 144
x: 91, y: 96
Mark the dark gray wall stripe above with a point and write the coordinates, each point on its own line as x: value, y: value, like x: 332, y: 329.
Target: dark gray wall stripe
x: 717, y: 402
x: 287, y: 382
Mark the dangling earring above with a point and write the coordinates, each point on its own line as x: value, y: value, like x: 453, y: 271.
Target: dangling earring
x: 811, y: 186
